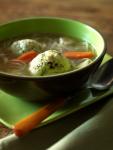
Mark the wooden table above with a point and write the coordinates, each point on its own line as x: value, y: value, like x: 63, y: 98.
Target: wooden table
x: 96, y: 13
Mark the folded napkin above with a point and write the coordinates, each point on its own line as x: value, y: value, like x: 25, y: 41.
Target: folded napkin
x: 94, y: 134
x: 88, y: 129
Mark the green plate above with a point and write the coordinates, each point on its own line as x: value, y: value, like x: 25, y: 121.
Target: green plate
x: 12, y: 109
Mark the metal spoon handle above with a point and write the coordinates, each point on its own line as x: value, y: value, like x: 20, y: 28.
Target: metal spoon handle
x: 103, y: 78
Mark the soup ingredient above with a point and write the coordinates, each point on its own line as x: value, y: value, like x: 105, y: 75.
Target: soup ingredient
x: 27, y: 124
x: 82, y: 63
x: 27, y: 56
x: 21, y: 46
x: 19, y: 52
x: 16, y: 67
x: 78, y: 54
x: 50, y: 62
x: 67, y: 43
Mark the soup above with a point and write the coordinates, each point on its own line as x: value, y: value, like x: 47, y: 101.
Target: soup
x: 44, y: 54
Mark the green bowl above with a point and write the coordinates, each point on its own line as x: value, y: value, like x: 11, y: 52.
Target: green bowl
x: 42, y: 88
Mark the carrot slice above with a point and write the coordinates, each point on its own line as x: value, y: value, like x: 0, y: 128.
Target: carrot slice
x: 77, y: 55
x: 27, y: 56
x: 27, y: 124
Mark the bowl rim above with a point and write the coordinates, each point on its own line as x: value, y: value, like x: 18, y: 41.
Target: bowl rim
x: 4, y: 74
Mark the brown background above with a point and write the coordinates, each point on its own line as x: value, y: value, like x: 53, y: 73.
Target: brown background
x: 97, y: 13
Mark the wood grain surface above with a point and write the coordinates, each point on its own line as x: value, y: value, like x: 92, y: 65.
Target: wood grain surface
x: 96, y: 13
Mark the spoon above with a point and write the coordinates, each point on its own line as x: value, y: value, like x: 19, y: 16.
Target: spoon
x: 102, y: 79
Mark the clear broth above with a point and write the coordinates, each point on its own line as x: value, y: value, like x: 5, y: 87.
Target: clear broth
x: 46, y: 42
